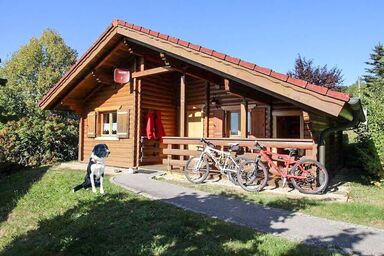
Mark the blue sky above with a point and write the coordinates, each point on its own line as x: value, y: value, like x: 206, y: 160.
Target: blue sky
x: 338, y: 33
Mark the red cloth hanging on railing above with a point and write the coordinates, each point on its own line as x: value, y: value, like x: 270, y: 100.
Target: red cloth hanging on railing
x: 150, y: 129
x: 159, y: 128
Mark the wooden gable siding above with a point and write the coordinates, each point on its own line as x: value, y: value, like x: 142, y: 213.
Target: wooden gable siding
x: 158, y: 93
x: 122, y: 150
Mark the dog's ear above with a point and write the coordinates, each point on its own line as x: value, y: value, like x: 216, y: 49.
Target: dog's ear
x: 96, y: 150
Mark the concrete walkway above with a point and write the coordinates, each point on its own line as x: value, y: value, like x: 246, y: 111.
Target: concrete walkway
x: 345, y: 237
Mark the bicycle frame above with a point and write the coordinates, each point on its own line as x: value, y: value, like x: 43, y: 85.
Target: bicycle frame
x: 210, y: 152
x: 288, y: 160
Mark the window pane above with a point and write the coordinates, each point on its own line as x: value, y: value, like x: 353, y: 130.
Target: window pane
x: 235, y: 120
x: 114, y: 123
x: 106, y: 123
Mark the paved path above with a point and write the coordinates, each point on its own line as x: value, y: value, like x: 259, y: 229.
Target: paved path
x: 349, y: 238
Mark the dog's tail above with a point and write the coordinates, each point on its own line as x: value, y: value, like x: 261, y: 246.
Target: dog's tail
x: 78, y: 187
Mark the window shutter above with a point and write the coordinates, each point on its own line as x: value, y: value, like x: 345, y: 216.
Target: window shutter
x: 218, y: 123
x: 123, y: 123
x: 258, y: 128
x: 91, y: 120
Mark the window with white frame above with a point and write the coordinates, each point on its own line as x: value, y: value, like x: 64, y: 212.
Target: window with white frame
x: 108, y: 123
x: 234, y: 123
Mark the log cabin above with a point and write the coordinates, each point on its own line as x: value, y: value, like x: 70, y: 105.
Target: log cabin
x: 193, y: 92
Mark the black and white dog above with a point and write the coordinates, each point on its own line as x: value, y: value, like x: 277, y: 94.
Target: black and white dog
x: 95, y: 169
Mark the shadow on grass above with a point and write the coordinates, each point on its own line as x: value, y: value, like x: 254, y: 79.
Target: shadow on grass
x: 15, y: 186
x: 277, y: 221
x: 117, y: 225
x: 346, y: 241
x: 123, y: 224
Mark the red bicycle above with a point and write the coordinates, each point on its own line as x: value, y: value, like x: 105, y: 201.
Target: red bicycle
x: 306, y: 175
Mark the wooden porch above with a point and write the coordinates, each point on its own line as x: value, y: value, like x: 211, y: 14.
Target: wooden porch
x: 177, y: 150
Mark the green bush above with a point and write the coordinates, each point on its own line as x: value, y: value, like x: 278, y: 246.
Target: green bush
x: 362, y: 155
x: 39, y: 139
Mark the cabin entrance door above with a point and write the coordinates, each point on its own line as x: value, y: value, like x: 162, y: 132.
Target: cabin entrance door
x: 195, y: 125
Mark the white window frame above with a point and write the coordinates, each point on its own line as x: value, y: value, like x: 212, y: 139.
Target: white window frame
x: 101, y: 115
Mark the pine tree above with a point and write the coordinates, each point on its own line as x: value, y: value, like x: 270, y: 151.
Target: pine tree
x: 376, y: 64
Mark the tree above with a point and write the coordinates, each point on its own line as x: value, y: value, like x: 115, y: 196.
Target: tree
x: 370, y: 146
x: 305, y: 69
x: 31, y: 71
x: 376, y: 64
x: 373, y: 98
x: 28, y: 135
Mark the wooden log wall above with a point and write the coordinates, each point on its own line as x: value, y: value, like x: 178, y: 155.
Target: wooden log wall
x: 121, y: 149
x: 195, y: 92
x: 159, y: 93
x: 333, y: 143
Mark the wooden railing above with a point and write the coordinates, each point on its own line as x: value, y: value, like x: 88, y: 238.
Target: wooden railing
x: 150, y: 151
x: 179, y: 149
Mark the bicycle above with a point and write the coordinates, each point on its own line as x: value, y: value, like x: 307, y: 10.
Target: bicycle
x: 307, y: 175
x: 197, y: 168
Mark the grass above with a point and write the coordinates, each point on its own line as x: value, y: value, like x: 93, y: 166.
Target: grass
x: 40, y: 216
x: 366, y: 205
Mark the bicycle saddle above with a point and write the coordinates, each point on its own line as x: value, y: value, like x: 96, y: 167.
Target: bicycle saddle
x: 235, y: 147
x: 292, y: 151
x: 234, y: 144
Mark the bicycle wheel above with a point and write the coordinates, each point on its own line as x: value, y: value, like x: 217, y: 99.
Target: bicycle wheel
x: 232, y: 176
x: 252, y: 176
x: 313, y: 177
x: 196, y: 170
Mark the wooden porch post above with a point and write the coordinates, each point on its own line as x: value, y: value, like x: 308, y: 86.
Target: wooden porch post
x: 138, y: 115
x: 182, y: 107
x: 81, y: 133
x: 182, y: 112
x: 207, y: 102
x: 244, y: 118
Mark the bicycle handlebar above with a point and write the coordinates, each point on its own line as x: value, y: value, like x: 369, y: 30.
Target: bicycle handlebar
x: 207, y: 142
x: 257, y: 144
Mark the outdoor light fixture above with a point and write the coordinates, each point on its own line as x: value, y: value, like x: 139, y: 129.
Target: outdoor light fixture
x: 121, y: 76
x: 215, y: 102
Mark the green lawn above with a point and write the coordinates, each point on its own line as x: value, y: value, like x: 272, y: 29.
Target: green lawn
x: 39, y: 215
x: 366, y: 205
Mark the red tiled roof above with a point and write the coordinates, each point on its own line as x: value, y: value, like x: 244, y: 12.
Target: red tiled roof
x: 222, y: 56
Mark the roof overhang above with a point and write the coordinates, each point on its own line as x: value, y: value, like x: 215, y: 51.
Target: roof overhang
x: 295, y: 91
